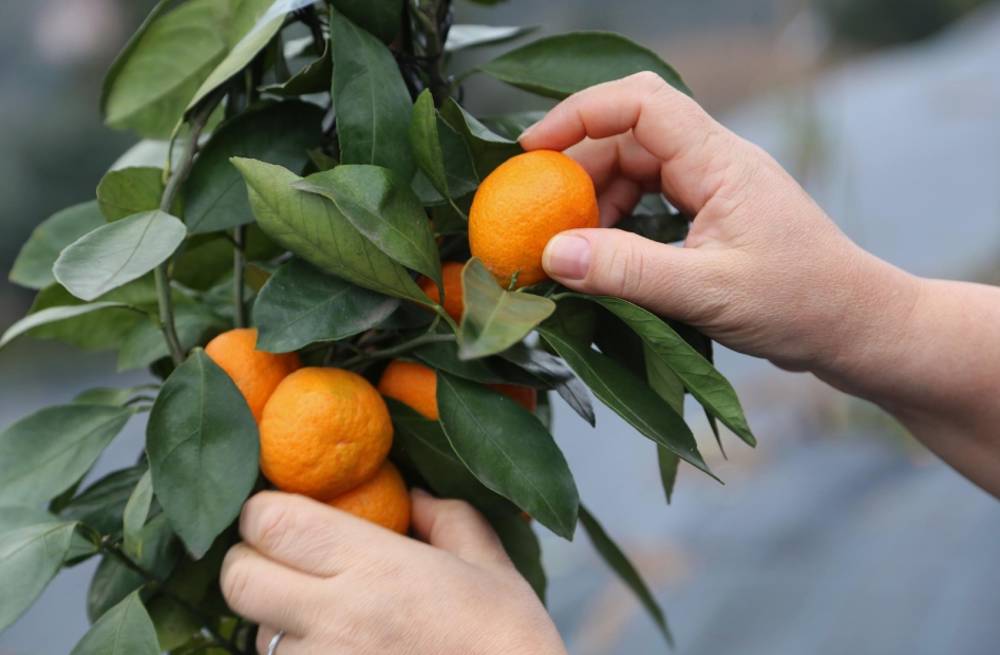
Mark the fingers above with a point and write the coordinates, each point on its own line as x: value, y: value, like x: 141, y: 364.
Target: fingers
x: 454, y: 526
x: 312, y: 537
x: 289, y: 644
x: 676, y: 282
x: 694, y: 151
x: 263, y: 591
x: 606, y: 160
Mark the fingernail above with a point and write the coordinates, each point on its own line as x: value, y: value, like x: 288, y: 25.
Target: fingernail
x: 567, y: 256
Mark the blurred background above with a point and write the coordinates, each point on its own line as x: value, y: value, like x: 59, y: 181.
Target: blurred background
x: 838, y: 533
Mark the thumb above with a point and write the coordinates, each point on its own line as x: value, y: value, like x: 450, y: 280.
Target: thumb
x: 665, y: 279
x: 456, y: 527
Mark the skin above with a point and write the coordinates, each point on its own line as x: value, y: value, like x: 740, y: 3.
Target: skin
x: 763, y: 271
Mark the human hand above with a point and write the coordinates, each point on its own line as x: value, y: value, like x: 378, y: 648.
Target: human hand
x: 337, y: 584
x: 763, y: 270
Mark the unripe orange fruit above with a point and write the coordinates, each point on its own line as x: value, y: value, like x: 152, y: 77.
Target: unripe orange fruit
x: 324, y: 431
x: 415, y: 385
x: 383, y: 500
x: 451, y: 275
x: 522, y: 204
x: 255, y: 372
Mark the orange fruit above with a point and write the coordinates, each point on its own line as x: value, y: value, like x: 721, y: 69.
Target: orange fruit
x: 324, y: 431
x: 383, y: 500
x: 415, y: 385
x: 256, y: 373
x: 522, y: 204
x: 451, y: 275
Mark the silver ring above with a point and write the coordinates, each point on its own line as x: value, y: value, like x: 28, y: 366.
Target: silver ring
x: 272, y: 646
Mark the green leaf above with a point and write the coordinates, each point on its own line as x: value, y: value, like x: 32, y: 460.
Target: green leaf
x: 29, y: 558
x: 512, y: 125
x: 111, y: 395
x: 522, y: 546
x: 203, y: 450
x: 380, y: 17
x: 462, y: 37
x: 495, y: 319
x: 125, y: 629
x: 144, y: 343
x: 628, y: 396
x: 370, y: 99
x: 382, y: 208
x: 487, y: 148
x: 440, y: 151
x: 53, y: 315
x: 15, y: 517
x: 509, y: 451
x: 279, y: 133
x: 314, y: 77
x: 33, y: 266
x: 151, y: 82
x: 254, y: 24
x: 135, y: 514
x: 45, y: 453
x: 667, y: 463
x: 301, y: 304
x: 701, y: 379
x: 619, y: 563
x: 118, y: 253
x: 554, y: 372
x: 174, y: 623
x: 444, y: 356
x: 101, y: 505
x: 669, y: 387
x: 126, y: 191
x: 313, y: 228
x: 557, y: 66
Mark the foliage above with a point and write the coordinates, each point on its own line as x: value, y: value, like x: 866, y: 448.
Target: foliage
x: 316, y: 160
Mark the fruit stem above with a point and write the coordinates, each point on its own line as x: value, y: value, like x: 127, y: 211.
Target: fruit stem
x: 161, y: 275
x: 239, y: 273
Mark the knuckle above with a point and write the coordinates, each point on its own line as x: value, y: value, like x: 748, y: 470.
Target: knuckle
x: 263, y: 640
x: 622, y: 269
x: 270, y: 523
x: 647, y: 80
x: 235, y: 579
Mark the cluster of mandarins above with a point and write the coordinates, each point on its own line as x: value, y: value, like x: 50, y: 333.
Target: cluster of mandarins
x: 326, y: 432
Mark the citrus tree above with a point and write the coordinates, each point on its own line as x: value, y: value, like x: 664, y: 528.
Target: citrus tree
x: 303, y: 170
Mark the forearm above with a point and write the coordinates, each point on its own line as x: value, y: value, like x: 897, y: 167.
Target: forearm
x: 931, y: 357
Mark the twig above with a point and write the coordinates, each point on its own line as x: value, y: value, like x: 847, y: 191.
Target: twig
x: 399, y: 349
x: 239, y: 274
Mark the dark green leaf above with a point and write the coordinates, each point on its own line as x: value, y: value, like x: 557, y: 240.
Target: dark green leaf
x: 494, y: 318
x: 151, y: 82
x: 313, y: 228
x: 669, y: 387
x: 15, y: 517
x: 135, y: 514
x: 370, y: 99
x: 513, y: 124
x: 522, y: 546
x: 301, y: 304
x: 125, y: 629
x: 380, y: 17
x: 314, y: 77
x: 278, y: 133
x: 628, y: 396
x: 619, y: 563
x: 461, y: 37
x: 440, y: 151
x: 46, y: 452
x: 701, y: 379
x: 126, y: 191
x: 383, y: 208
x: 29, y: 558
x: 100, y: 506
x: 174, y: 623
x: 667, y: 462
x: 54, y: 315
x: 118, y: 253
x: 203, y: 450
x: 557, y: 66
x: 487, y: 148
x: 144, y: 344
x: 111, y: 395
x: 444, y: 357
x: 33, y: 266
x: 555, y: 373
x: 509, y: 451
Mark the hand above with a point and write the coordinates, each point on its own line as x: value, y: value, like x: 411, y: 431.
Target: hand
x: 337, y: 584
x: 763, y: 270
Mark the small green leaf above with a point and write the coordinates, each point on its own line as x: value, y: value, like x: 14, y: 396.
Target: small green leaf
x: 314, y: 77
x: 313, y: 228
x: 101, y: 505
x: 370, y: 99
x: 667, y: 463
x: 380, y: 17
x: 701, y: 379
x: 135, y: 514
x: 669, y: 387
x: 300, y: 305
x: 619, y: 563
x: 487, y: 148
x: 45, y: 453
x: 29, y: 558
x: 521, y: 544
x: 509, y: 451
x: 462, y: 37
x: 495, y: 319
x: 151, y: 82
x: 126, y: 191
x: 382, y: 208
x: 125, y: 629
x: 557, y: 66
x: 278, y: 133
x: 33, y: 266
x: 628, y: 396
x: 118, y: 253
x: 53, y: 315
x: 203, y: 451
